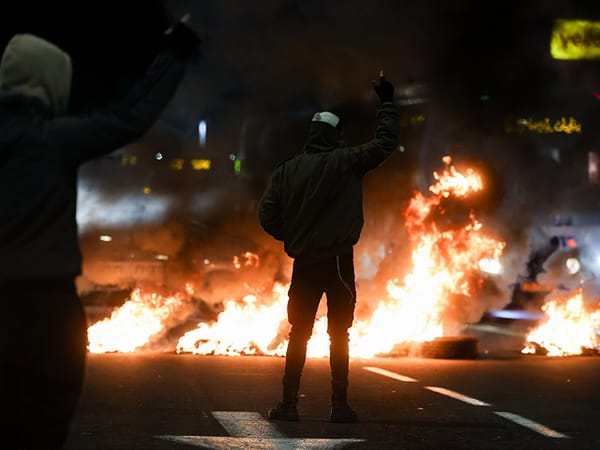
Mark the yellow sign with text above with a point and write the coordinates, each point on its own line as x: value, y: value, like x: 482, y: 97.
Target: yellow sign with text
x: 575, y: 39
x: 543, y: 126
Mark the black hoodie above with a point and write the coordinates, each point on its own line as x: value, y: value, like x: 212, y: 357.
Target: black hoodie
x: 313, y: 202
x: 41, y: 150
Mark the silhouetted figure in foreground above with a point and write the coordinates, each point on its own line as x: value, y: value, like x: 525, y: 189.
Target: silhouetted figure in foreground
x: 314, y: 205
x: 43, y: 329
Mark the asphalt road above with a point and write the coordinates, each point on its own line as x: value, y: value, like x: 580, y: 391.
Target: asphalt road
x: 501, y: 400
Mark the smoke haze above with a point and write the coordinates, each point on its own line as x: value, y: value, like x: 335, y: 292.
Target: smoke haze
x: 266, y: 66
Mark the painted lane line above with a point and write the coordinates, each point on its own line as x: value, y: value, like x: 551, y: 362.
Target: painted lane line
x: 537, y: 427
x: 233, y: 443
x: 457, y: 396
x: 246, y: 424
x: 393, y: 375
x: 249, y: 430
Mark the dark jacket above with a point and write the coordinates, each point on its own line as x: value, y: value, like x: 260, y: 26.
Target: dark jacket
x: 41, y: 150
x: 313, y: 202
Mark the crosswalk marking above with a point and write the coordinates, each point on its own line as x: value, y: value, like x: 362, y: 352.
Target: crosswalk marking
x: 234, y: 443
x: 246, y: 424
x: 249, y: 430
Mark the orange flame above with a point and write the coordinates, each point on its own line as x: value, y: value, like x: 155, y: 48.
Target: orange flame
x: 134, y: 324
x: 444, y: 278
x: 451, y: 182
x: 431, y: 301
x: 245, y: 328
x: 568, y: 330
x: 248, y: 259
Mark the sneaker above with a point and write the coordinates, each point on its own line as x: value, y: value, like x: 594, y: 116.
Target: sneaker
x: 342, y: 413
x: 284, y: 411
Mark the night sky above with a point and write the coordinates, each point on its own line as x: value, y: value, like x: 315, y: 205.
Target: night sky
x: 285, y: 54
x: 272, y: 53
x: 110, y: 42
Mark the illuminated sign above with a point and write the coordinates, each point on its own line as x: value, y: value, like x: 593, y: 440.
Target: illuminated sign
x: 174, y: 164
x: 200, y: 164
x: 543, y: 126
x: 575, y: 39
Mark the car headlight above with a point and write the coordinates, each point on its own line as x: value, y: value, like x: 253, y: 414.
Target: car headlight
x: 573, y: 265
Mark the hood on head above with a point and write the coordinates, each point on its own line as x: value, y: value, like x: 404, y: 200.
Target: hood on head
x: 324, y: 132
x: 37, y: 68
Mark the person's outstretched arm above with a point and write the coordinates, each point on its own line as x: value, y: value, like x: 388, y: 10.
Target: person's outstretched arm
x: 80, y: 138
x: 367, y: 156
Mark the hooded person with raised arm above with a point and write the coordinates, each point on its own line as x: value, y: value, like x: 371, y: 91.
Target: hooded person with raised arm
x: 314, y: 205
x: 43, y: 327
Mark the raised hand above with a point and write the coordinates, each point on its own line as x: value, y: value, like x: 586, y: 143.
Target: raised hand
x: 383, y: 88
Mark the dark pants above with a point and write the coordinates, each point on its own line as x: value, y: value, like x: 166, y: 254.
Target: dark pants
x: 333, y: 277
x: 43, y: 348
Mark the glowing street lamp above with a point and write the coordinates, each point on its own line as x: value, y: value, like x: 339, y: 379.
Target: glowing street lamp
x: 202, y: 133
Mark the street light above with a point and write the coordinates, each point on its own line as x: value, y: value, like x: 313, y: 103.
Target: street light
x: 202, y: 133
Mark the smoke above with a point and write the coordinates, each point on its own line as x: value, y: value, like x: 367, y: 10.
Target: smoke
x: 98, y: 209
x: 267, y: 66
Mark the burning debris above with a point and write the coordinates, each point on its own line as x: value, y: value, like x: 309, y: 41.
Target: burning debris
x: 435, y: 299
x: 439, y: 295
x: 140, y: 322
x: 569, y: 329
x: 243, y: 328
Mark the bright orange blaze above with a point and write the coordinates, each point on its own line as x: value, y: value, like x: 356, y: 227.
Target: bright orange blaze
x: 429, y: 302
x: 245, y: 328
x: 568, y: 330
x: 134, y: 324
x: 451, y: 182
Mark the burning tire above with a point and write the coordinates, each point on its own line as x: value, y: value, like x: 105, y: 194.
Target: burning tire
x: 451, y: 347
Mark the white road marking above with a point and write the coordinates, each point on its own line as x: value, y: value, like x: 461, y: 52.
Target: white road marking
x: 387, y: 373
x: 233, y: 443
x: 246, y: 424
x: 249, y: 430
x: 457, y: 396
x: 537, y: 427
